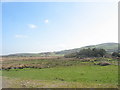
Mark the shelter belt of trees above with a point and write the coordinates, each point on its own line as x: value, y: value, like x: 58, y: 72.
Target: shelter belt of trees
x: 90, y: 53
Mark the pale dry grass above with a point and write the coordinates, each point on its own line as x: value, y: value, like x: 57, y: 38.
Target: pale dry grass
x: 27, y: 58
x: 19, y: 83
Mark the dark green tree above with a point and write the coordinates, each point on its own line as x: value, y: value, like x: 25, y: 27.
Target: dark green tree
x: 88, y: 53
x: 115, y: 54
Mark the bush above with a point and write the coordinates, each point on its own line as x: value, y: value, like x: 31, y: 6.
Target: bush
x: 87, y: 53
x: 115, y: 54
x: 104, y: 63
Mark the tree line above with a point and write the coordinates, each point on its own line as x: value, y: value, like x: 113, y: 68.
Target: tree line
x: 91, y: 53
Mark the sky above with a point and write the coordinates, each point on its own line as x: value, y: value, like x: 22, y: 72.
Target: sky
x: 34, y: 27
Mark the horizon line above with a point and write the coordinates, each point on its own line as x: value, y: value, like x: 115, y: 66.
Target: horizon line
x: 54, y: 50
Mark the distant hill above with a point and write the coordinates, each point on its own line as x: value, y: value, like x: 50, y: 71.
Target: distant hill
x: 109, y: 47
x: 44, y: 54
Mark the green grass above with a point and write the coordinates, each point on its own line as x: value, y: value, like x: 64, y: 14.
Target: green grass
x: 63, y: 72
x: 84, y: 73
x: 0, y: 73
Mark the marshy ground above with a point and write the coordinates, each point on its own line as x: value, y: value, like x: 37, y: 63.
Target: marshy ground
x: 60, y: 72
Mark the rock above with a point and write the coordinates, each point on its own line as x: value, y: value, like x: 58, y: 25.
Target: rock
x: 104, y: 64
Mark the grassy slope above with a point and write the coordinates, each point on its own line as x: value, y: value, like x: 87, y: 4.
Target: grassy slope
x: 87, y: 75
x: 109, y: 47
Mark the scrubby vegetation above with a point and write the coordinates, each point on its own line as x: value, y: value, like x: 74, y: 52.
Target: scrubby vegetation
x: 116, y: 54
x: 91, y: 53
x: 53, y: 62
x: 83, y: 69
x: 88, y: 53
x: 61, y: 72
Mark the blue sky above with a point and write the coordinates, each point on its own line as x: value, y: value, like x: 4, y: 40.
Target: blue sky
x: 34, y: 27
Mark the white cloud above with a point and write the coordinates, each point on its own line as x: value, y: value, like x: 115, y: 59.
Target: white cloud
x: 32, y: 26
x: 46, y: 21
x: 21, y: 36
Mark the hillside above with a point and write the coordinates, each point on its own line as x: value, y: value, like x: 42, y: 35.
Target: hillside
x: 109, y: 47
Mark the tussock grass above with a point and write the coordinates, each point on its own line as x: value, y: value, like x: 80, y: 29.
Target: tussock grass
x: 62, y: 73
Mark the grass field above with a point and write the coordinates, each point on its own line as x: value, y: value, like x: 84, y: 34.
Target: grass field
x: 63, y: 73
